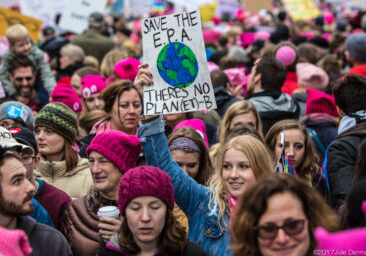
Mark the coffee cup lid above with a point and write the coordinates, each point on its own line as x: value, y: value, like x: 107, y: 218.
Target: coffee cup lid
x: 108, y: 211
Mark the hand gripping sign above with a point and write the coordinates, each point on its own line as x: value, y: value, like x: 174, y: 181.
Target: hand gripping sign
x: 173, y: 47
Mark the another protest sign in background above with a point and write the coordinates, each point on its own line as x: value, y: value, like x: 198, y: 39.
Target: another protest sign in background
x: 9, y: 17
x: 174, y: 48
x: 301, y: 9
x: 76, y: 14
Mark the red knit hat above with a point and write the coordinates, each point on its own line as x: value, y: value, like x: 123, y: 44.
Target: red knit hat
x: 67, y: 95
x: 320, y: 102
x: 92, y: 84
x: 14, y: 243
x: 145, y: 181
x: 127, y: 69
x: 121, y: 149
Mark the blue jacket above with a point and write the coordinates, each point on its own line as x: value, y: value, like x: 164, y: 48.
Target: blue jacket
x: 40, y: 214
x: 190, y: 196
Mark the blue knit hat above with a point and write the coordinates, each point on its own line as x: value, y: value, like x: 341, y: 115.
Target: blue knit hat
x: 356, y: 46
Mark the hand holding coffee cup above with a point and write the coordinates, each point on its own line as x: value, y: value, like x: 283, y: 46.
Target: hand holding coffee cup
x: 109, y: 221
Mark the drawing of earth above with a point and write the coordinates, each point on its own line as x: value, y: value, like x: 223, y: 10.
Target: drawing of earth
x: 177, y: 65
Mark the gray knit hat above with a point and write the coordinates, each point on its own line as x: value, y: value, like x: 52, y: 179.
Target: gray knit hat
x: 356, y: 46
x: 18, y: 112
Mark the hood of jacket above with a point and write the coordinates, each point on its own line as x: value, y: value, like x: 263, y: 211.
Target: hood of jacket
x: 273, y: 100
x: 58, y: 168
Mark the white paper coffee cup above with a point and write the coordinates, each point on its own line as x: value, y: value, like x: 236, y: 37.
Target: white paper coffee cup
x: 108, y: 211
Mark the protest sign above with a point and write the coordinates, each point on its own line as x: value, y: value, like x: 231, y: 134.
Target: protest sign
x: 76, y: 14
x: 174, y: 49
x: 9, y: 17
x: 207, y: 11
x: 9, y: 3
x: 42, y: 9
x: 301, y: 9
x: 256, y: 5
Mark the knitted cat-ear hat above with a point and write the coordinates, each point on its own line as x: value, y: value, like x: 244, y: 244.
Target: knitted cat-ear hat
x: 60, y: 118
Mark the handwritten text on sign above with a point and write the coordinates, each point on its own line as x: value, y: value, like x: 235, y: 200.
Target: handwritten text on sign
x: 174, y: 48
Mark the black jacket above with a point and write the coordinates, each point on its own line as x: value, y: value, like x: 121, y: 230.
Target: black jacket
x: 43, y: 239
x: 274, y: 106
x: 341, y: 159
x: 223, y: 100
x: 191, y: 249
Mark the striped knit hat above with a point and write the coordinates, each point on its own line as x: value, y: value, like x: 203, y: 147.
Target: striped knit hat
x: 60, y: 118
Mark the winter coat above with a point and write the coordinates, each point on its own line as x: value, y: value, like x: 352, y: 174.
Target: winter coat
x: 223, y: 100
x: 93, y: 43
x: 68, y: 71
x: 112, y: 249
x: 54, y: 200
x: 274, y: 106
x: 43, y: 239
x: 53, y: 46
x: 76, y: 183
x: 190, y: 196
x: 341, y: 159
x: 80, y: 223
x: 42, y: 68
x: 358, y: 70
x: 290, y: 84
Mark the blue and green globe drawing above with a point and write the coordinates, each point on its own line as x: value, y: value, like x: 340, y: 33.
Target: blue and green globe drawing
x: 177, y: 65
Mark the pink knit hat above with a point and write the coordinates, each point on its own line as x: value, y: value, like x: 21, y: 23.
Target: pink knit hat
x: 311, y: 76
x: 286, y: 55
x: 145, y: 181
x: 197, y: 125
x: 328, y: 17
x: 127, y: 68
x: 67, y: 95
x: 246, y: 39
x: 236, y: 75
x: 92, y: 84
x: 262, y: 35
x: 121, y: 149
x: 14, y: 243
x: 320, y: 102
x: 211, y: 36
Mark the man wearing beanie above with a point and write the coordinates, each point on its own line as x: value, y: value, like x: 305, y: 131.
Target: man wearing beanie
x: 356, y: 54
x: 264, y: 90
x: 110, y: 155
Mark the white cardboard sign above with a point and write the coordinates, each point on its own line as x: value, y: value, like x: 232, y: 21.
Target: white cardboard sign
x: 76, y: 14
x: 173, y: 47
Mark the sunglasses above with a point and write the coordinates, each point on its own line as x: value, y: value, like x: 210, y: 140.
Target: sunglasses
x: 27, y: 78
x: 291, y: 228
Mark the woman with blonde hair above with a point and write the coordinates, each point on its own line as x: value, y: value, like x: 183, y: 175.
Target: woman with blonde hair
x: 299, y: 147
x: 242, y: 161
x: 241, y: 112
x: 110, y: 60
x: 278, y: 216
x: 71, y: 59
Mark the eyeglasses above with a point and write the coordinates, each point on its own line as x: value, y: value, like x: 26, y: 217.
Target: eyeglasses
x: 20, y: 79
x: 291, y: 228
x: 26, y: 159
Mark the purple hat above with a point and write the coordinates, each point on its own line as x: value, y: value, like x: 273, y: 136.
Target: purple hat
x: 67, y: 95
x: 92, y: 84
x: 145, y: 181
x: 121, y: 149
x: 127, y: 68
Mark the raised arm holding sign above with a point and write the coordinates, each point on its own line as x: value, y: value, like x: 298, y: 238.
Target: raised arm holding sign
x: 174, y: 49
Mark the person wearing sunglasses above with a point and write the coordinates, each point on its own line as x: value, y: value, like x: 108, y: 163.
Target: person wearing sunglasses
x: 278, y: 216
x: 23, y: 77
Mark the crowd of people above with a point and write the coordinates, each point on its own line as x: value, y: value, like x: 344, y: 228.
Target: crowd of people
x: 276, y: 169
